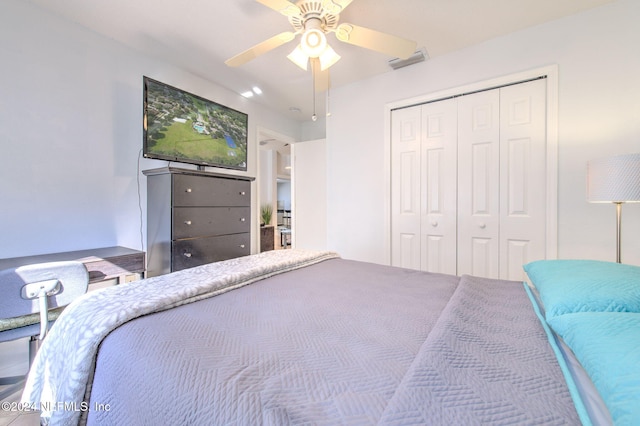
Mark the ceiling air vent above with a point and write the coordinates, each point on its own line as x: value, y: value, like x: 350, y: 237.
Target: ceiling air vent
x: 419, y: 56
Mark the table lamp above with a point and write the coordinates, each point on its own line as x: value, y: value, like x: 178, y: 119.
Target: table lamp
x: 614, y: 180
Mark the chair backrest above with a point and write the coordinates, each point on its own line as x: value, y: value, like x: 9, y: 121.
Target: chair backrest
x: 72, y: 281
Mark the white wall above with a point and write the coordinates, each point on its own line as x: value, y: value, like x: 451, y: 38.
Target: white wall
x: 599, y: 115
x: 309, y: 188
x: 71, y: 134
x: 314, y: 130
x: 284, y: 194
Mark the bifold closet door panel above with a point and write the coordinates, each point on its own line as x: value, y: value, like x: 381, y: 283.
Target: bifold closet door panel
x: 523, y: 171
x: 479, y: 183
x: 438, y: 186
x: 406, y: 135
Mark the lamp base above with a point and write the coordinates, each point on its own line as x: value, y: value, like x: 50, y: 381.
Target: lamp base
x: 618, y: 230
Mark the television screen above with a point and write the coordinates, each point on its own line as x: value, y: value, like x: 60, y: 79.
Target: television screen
x: 183, y: 127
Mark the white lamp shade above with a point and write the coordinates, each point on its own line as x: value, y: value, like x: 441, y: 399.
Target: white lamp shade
x: 328, y: 58
x: 614, y: 179
x: 298, y: 57
x: 313, y: 42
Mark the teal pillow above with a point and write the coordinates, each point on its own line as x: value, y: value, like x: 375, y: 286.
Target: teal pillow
x: 607, y: 344
x: 567, y: 286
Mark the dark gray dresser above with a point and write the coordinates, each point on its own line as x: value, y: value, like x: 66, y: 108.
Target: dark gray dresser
x: 195, y: 217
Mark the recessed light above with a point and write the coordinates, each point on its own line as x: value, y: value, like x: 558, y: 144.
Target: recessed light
x: 247, y: 94
x: 294, y: 109
x: 257, y: 90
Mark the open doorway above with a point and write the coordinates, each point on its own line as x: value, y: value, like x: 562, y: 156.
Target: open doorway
x: 274, y: 194
x: 284, y: 213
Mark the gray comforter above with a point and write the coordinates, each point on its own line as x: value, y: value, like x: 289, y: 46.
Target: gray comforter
x: 337, y: 342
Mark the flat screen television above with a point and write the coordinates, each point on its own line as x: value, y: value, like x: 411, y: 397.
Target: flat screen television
x: 186, y: 128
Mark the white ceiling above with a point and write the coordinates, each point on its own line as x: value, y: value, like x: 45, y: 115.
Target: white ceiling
x: 199, y: 35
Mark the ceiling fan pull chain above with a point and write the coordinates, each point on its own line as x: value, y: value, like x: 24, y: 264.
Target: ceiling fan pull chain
x: 314, y: 117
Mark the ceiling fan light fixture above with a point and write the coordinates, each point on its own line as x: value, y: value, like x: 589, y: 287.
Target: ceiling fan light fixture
x: 313, y: 42
x: 298, y: 57
x: 328, y: 58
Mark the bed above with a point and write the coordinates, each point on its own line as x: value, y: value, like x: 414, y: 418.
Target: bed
x: 302, y: 337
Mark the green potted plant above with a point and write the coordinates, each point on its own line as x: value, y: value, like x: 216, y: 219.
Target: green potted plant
x: 266, y: 211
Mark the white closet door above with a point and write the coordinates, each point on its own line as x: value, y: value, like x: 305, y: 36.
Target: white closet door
x: 469, y: 183
x: 478, y: 183
x: 522, y: 176
x: 405, y: 187
x: 438, y: 183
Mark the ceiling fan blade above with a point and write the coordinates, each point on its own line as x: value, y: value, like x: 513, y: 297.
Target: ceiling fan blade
x: 260, y: 48
x: 282, y: 6
x: 335, y: 6
x: 375, y: 40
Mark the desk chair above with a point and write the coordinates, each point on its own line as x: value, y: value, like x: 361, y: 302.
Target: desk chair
x: 31, y: 298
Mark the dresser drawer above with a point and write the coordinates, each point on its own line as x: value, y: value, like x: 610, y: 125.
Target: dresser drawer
x: 199, y: 251
x: 189, y: 222
x: 191, y: 190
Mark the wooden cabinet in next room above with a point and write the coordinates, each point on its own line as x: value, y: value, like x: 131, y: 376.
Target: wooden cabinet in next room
x: 195, y: 217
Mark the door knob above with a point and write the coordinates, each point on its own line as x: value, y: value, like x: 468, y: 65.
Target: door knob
x: 434, y: 223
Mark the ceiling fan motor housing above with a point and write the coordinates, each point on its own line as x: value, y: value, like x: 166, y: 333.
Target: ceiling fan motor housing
x: 313, y: 12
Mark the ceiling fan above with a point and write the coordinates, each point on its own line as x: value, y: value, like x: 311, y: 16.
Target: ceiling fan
x: 314, y: 19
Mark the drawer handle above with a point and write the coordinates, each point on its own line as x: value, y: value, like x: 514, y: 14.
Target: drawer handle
x: 187, y: 222
x: 186, y: 254
x: 188, y: 190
